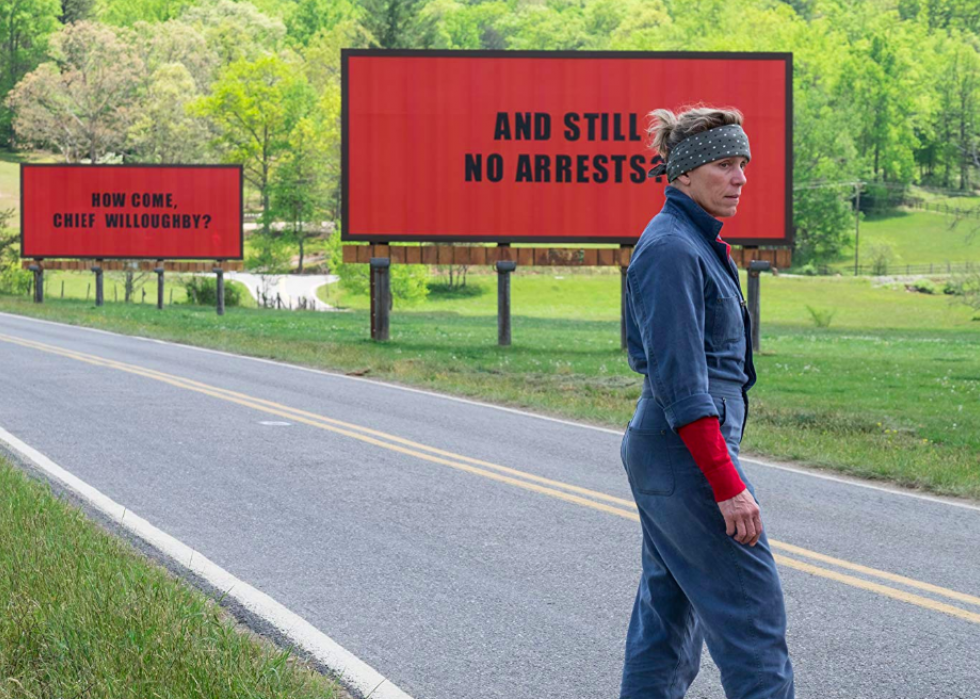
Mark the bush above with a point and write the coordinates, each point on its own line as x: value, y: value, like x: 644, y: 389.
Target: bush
x: 809, y: 269
x: 203, y: 291
x: 13, y: 279
x: 924, y: 286
x: 953, y: 288
x: 409, y: 283
x: 821, y: 317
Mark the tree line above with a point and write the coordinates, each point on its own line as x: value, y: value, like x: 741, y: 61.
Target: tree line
x: 886, y: 92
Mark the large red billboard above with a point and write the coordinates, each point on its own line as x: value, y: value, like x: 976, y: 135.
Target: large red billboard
x: 516, y: 146
x: 183, y: 212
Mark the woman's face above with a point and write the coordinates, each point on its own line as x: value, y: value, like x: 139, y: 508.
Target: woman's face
x: 716, y: 186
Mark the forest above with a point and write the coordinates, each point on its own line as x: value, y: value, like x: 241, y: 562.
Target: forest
x: 886, y: 92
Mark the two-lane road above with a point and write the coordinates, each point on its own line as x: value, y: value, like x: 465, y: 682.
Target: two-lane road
x: 467, y: 551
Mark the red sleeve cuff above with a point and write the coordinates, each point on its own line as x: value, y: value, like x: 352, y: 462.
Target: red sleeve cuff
x: 704, y: 440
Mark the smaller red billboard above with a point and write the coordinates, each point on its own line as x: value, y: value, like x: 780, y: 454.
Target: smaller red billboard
x: 156, y: 212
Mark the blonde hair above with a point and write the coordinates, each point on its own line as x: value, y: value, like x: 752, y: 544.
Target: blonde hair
x: 667, y: 129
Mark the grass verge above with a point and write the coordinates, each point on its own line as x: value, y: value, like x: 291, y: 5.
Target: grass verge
x: 891, y: 390
x: 86, y: 616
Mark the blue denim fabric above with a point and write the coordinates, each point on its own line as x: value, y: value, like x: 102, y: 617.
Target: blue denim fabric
x: 686, y: 321
x: 698, y: 584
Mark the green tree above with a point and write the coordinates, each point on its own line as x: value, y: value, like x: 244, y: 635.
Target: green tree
x: 165, y: 131
x: 235, y: 30
x: 398, y: 24
x: 164, y: 43
x: 299, y: 188
x: 310, y: 17
x: 126, y: 13
x: 25, y: 26
x: 82, y: 104
x: 76, y: 10
x: 254, y: 105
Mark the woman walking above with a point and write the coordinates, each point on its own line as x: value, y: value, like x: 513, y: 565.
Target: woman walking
x: 708, y: 573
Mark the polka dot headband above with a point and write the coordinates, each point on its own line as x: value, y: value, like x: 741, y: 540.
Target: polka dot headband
x: 705, y: 147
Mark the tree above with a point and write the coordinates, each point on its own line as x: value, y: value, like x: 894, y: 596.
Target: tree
x: 235, y: 30
x: 310, y: 17
x: 13, y: 279
x: 76, y: 10
x: 175, y: 41
x: 298, y: 186
x: 82, y: 104
x: 166, y: 131
x: 126, y: 13
x: 398, y: 24
x: 24, y: 29
x: 255, y: 106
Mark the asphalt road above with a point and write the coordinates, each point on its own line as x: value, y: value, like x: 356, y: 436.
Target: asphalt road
x: 387, y: 518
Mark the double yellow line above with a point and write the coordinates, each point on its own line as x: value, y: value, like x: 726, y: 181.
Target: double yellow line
x: 584, y: 497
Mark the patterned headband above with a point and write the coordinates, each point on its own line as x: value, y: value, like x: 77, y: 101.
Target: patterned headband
x: 705, y: 147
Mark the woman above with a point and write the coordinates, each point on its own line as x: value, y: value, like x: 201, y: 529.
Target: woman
x: 708, y: 573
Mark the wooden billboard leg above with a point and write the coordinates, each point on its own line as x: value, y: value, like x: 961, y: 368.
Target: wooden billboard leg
x: 504, y: 268
x: 623, y: 310
x: 623, y: 300
x: 159, y: 271
x: 220, y: 292
x: 755, y: 267
x: 380, y: 298
x: 38, y: 271
x: 99, y: 284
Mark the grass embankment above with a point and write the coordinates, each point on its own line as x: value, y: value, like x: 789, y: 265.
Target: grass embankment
x: 890, y: 390
x: 86, y: 616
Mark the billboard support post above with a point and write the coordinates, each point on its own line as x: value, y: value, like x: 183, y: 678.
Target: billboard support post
x: 380, y: 298
x: 504, y: 268
x: 622, y: 300
x: 38, y: 271
x: 220, y: 291
x: 755, y: 267
x: 159, y: 271
x: 99, y: 286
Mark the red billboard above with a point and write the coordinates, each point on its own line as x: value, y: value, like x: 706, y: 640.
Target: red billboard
x: 187, y: 212
x: 539, y: 146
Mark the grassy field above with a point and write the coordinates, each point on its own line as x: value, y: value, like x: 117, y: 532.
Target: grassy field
x: 86, y: 616
x: 81, y: 286
x: 891, y: 389
x: 919, y: 237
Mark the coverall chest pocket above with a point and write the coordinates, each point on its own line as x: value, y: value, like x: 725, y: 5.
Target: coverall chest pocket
x: 726, y: 327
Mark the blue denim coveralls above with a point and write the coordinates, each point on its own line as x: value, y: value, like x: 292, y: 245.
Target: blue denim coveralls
x: 686, y: 329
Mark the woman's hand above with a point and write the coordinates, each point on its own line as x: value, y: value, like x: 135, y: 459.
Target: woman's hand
x: 742, y: 518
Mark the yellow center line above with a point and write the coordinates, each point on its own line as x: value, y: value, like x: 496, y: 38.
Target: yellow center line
x: 880, y: 589
x: 520, y: 479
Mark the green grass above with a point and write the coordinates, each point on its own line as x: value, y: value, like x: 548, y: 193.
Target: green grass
x: 81, y: 286
x: 889, y: 390
x: 86, y: 616
x: 920, y: 237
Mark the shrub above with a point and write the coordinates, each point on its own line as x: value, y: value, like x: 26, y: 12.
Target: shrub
x: 821, y: 317
x: 809, y: 269
x: 203, y: 291
x: 924, y: 286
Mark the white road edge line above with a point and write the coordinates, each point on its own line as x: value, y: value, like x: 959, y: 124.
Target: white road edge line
x: 353, y: 671
x: 515, y: 411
